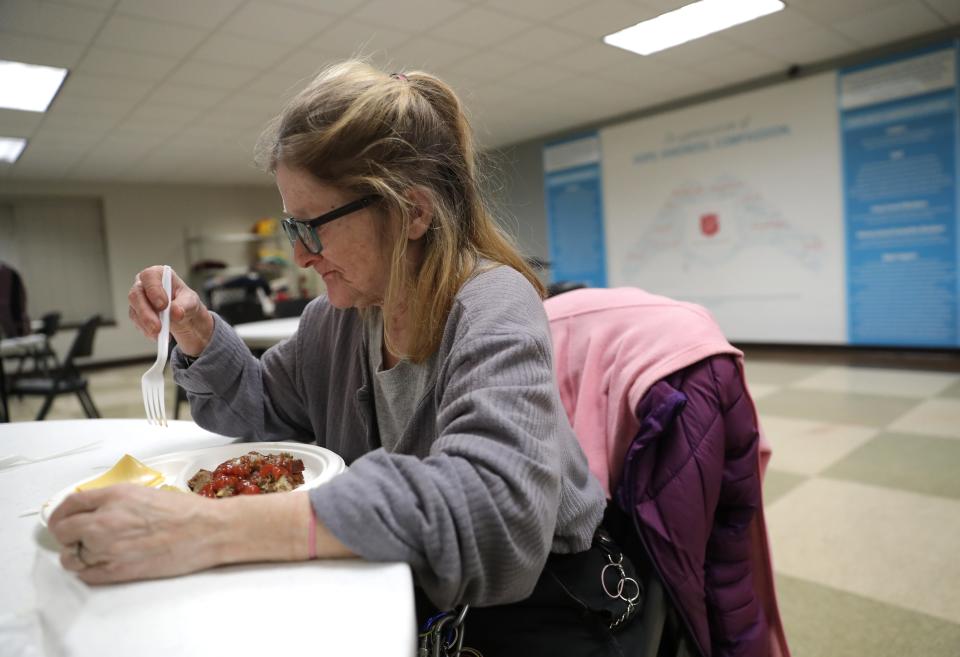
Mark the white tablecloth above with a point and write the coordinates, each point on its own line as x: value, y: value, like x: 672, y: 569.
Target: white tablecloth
x: 265, y: 334
x: 335, y: 608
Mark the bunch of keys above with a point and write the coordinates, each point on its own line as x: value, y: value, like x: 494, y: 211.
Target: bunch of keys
x: 443, y: 636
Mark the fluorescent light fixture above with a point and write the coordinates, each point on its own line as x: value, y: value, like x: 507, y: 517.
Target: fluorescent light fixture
x: 11, y: 147
x: 28, y: 86
x: 688, y: 23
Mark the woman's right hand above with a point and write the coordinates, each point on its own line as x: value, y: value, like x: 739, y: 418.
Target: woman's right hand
x: 191, y: 324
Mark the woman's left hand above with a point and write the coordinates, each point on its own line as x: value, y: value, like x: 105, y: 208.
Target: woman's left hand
x: 129, y: 532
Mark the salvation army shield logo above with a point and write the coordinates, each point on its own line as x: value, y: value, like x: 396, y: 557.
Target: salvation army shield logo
x: 709, y: 224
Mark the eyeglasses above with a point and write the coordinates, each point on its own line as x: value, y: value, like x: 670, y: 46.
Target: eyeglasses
x: 306, y: 231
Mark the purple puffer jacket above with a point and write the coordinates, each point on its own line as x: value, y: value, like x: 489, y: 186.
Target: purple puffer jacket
x: 690, y: 480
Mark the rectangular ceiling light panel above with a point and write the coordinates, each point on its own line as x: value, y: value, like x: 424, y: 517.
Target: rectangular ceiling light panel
x: 11, y: 147
x: 28, y: 87
x: 688, y: 23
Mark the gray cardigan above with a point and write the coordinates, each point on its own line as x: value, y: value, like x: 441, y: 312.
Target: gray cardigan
x: 488, y: 477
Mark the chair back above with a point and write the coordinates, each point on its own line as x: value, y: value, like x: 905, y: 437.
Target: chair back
x: 241, y: 312
x: 290, y: 307
x: 82, y: 346
x: 51, y: 324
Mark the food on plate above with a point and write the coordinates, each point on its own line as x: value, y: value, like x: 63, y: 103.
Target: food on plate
x: 127, y: 470
x: 251, y: 474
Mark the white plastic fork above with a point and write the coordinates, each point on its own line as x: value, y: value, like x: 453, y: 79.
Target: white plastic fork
x: 152, y: 381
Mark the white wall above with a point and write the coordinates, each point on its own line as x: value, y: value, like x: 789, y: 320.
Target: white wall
x: 145, y: 225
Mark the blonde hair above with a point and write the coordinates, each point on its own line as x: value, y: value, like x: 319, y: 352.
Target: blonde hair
x: 359, y: 129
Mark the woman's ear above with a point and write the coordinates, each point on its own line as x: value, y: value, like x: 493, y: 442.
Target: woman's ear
x: 422, y: 215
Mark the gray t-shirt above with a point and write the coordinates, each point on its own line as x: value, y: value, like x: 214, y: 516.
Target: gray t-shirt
x: 398, y: 390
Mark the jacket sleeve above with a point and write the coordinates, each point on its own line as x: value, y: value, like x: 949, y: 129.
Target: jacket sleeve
x: 233, y: 393
x: 737, y: 627
x: 475, y: 518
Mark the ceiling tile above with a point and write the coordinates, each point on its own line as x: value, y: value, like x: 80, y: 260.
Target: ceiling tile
x: 208, y: 13
x: 200, y: 97
x: 229, y: 120
x: 601, y: 17
x: 692, y: 52
x: 254, y: 104
x: 949, y: 10
x: 277, y: 23
x: 51, y: 139
x: 297, y: 69
x: 141, y: 125
x: 38, y: 50
x: 780, y: 23
x: 338, y: 7
x: 123, y: 63
x: 826, y: 12
x: 91, y: 85
x: 114, y: 108
x: 353, y: 38
x: 489, y: 65
x: 14, y: 123
x: 664, y: 6
x: 410, y: 15
x: 806, y: 47
x: 163, y: 115
x: 216, y: 76
x: 538, y: 10
x: 89, y: 124
x: 106, y: 5
x: 280, y: 84
x: 541, y: 43
x: 637, y: 71
x: 240, y: 51
x: 596, y: 57
x: 533, y: 77
x: 45, y: 165
x: 586, y: 88
x: 891, y: 23
x: 480, y: 27
x: 428, y: 53
x: 149, y: 36
x: 49, y: 19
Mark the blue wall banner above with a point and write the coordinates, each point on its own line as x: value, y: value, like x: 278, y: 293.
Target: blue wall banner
x: 574, y: 198
x: 899, y: 133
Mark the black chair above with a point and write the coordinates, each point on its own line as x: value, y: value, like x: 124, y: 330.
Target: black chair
x: 44, y: 354
x: 563, y: 286
x: 241, y: 312
x: 66, y: 378
x: 290, y: 307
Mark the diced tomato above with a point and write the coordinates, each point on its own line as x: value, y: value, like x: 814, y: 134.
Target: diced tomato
x: 274, y: 472
x: 220, y: 483
x: 250, y: 489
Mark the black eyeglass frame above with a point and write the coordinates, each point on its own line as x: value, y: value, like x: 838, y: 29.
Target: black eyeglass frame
x: 306, y: 230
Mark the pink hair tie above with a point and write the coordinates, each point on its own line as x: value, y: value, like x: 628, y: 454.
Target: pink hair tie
x: 312, y: 536
x: 399, y: 76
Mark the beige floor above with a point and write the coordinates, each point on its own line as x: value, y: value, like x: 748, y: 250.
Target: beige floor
x: 862, y: 500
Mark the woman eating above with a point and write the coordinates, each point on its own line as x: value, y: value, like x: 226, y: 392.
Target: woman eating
x: 426, y: 366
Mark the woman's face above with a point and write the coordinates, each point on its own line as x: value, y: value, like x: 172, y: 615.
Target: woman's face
x: 354, y: 262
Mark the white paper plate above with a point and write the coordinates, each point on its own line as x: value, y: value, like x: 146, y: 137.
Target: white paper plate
x: 320, y: 465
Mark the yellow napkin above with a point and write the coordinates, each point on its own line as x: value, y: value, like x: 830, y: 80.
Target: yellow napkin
x: 127, y: 470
